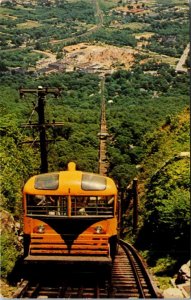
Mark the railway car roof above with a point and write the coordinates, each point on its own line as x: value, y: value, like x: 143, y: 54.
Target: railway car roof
x: 70, y: 182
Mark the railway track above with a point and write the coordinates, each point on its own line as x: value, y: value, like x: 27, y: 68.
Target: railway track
x: 103, y: 134
x: 129, y: 279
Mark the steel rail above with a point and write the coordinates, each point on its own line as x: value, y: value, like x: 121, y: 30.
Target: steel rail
x: 22, y: 288
x: 135, y: 272
x: 142, y: 276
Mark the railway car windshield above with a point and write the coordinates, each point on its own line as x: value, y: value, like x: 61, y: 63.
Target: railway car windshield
x: 46, y: 205
x: 83, y: 206
x: 92, y: 205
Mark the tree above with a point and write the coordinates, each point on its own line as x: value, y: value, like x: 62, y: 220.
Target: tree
x: 123, y: 175
x: 168, y: 207
x: 3, y: 67
x: 38, y: 46
x: 17, y: 164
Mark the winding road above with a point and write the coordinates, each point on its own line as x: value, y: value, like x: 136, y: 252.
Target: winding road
x: 181, y: 64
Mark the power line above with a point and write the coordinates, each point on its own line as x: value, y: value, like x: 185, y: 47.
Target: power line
x: 29, y: 120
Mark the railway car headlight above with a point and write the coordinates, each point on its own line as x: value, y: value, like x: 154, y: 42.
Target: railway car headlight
x: 40, y: 229
x: 98, y: 229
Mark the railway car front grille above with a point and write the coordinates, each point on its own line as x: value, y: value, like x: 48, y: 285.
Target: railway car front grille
x: 49, y: 245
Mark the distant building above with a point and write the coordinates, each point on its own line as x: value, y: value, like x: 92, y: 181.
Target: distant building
x: 57, y: 65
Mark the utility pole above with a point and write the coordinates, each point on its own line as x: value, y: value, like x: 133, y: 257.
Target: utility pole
x: 41, y: 93
x: 42, y: 128
x: 135, y: 204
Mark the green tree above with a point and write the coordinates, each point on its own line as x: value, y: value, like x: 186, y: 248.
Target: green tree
x: 17, y: 164
x: 168, y: 207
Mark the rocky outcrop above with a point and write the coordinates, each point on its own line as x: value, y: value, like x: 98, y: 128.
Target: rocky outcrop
x: 181, y: 285
x: 183, y: 274
x: 9, y: 224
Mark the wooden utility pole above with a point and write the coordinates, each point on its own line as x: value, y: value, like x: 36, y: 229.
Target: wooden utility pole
x: 42, y: 129
x: 135, y: 204
x: 41, y: 93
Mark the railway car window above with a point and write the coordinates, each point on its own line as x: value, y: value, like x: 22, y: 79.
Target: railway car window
x: 93, y: 206
x: 62, y: 206
x: 79, y: 205
x: 46, y: 205
x: 91, y: 182
x: 47, y: 182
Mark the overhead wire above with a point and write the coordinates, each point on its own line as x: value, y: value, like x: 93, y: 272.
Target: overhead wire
x: 33, y: 142
x: 29, y: 119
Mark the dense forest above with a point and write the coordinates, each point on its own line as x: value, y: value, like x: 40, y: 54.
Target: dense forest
x: 147, y: 119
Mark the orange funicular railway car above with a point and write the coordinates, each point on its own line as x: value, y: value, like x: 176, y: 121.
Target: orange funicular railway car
x: 70, y: 216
